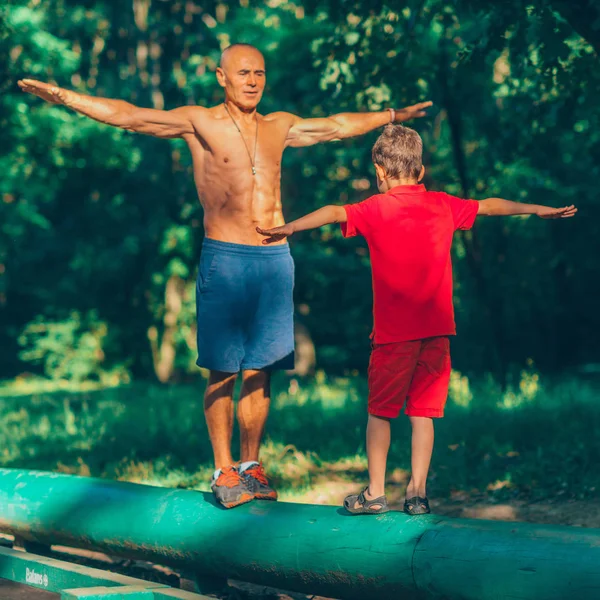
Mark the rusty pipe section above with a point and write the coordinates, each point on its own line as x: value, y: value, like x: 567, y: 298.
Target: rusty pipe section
x: 313, y: 549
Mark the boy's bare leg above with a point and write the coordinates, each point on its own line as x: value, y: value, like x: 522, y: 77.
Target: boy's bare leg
x: 378, y: 445
x: 253, y: 410
x: 422, y: 449
x: 218, y: 411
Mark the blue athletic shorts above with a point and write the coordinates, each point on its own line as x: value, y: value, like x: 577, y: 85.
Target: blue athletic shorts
x: 244, y: 307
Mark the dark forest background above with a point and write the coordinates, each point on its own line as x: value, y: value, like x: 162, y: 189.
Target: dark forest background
x: 100, y: 230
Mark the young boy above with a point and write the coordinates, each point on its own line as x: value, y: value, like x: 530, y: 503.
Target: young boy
x: 409, y: 233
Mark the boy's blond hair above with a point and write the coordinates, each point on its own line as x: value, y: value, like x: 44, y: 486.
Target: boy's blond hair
x: 399, y: 150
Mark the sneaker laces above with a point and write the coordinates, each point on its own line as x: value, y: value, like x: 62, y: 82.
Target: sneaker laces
x: 229, y: 477
x: 258, y: 473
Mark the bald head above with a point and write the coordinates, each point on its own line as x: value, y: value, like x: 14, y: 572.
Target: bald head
x: 237, y: 51
x: 242, y: 74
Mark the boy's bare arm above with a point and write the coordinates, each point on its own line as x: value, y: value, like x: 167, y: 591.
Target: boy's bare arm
x: 498, y: 207
x: 118, y: 113
x: 313, y: 220
x: 306, y: 132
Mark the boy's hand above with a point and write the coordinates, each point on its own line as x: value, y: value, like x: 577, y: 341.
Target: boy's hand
x: 276, y: 234
x: 547, y: 212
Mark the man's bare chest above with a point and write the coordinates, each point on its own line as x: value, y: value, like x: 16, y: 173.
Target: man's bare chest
x: 230, y: 145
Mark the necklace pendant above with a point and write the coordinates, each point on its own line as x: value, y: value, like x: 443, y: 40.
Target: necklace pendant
x: 253, y: 171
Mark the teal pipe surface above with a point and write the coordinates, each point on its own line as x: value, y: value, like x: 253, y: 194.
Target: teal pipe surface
x: 314, y: 549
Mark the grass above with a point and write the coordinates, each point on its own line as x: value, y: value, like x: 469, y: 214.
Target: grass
x: 536, y: 439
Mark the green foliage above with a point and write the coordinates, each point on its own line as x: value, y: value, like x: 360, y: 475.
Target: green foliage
x: 93, y: 218
x: 528, y: 441
x: 71, y: 350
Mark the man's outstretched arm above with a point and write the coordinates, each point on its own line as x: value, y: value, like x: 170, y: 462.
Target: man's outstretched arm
x: 306, y: 132
x: 498, y: 207
x: 118, y: 113
x: 318, y: 218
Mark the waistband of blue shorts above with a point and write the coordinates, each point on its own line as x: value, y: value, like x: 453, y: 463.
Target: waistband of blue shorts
x: 245, y: 249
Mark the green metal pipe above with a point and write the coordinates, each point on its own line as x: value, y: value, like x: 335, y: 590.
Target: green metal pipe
x: 314, y: 549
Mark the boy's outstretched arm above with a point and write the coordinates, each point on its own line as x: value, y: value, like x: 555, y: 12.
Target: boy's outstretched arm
x: 318, y: 218
x: 497, y: 207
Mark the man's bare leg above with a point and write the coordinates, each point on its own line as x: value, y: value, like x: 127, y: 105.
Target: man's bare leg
x: 253, y: 410
x: 422, y: 449
x: 228, y: 486
x: 218, y: 410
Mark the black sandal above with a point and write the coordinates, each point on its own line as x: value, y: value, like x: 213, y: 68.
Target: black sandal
x: 416, y: 506
x: 366, y: 506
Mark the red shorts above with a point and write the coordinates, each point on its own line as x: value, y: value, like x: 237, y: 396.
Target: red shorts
x: 417, y: 372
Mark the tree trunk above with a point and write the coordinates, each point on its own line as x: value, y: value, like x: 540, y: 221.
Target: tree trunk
x: 491, y: 304
x: 163, y: 354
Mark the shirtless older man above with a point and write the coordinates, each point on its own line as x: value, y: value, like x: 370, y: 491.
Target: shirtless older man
x: 244, y: 289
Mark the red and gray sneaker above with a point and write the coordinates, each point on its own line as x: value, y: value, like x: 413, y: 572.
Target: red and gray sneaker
x: 257, y: 482
x: 230, y: 489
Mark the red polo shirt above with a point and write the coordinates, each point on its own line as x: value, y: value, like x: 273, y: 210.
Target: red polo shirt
x: 409, y: 232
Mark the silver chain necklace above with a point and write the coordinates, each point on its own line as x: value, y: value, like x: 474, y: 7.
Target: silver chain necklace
x: 252, y: 159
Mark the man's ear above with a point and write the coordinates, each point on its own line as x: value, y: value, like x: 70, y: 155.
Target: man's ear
x: 221, y: 76
x: 381, y: 174
x: 421, y: 174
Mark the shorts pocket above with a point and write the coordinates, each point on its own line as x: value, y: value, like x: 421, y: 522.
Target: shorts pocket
x: 397, y: 356
x: 206, y: 269
x: 435, y: 355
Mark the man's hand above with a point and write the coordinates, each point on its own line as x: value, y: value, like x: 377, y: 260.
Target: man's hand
x: 547, y: 212
x: 276, y: 234
x: 412, y: 112
x: 45, y: 91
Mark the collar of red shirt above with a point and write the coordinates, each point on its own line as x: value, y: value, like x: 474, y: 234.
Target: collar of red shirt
x: 408, y: 189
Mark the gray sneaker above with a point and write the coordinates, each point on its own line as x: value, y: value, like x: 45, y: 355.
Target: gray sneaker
x: 230, y: 489
x: 257, y: 482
